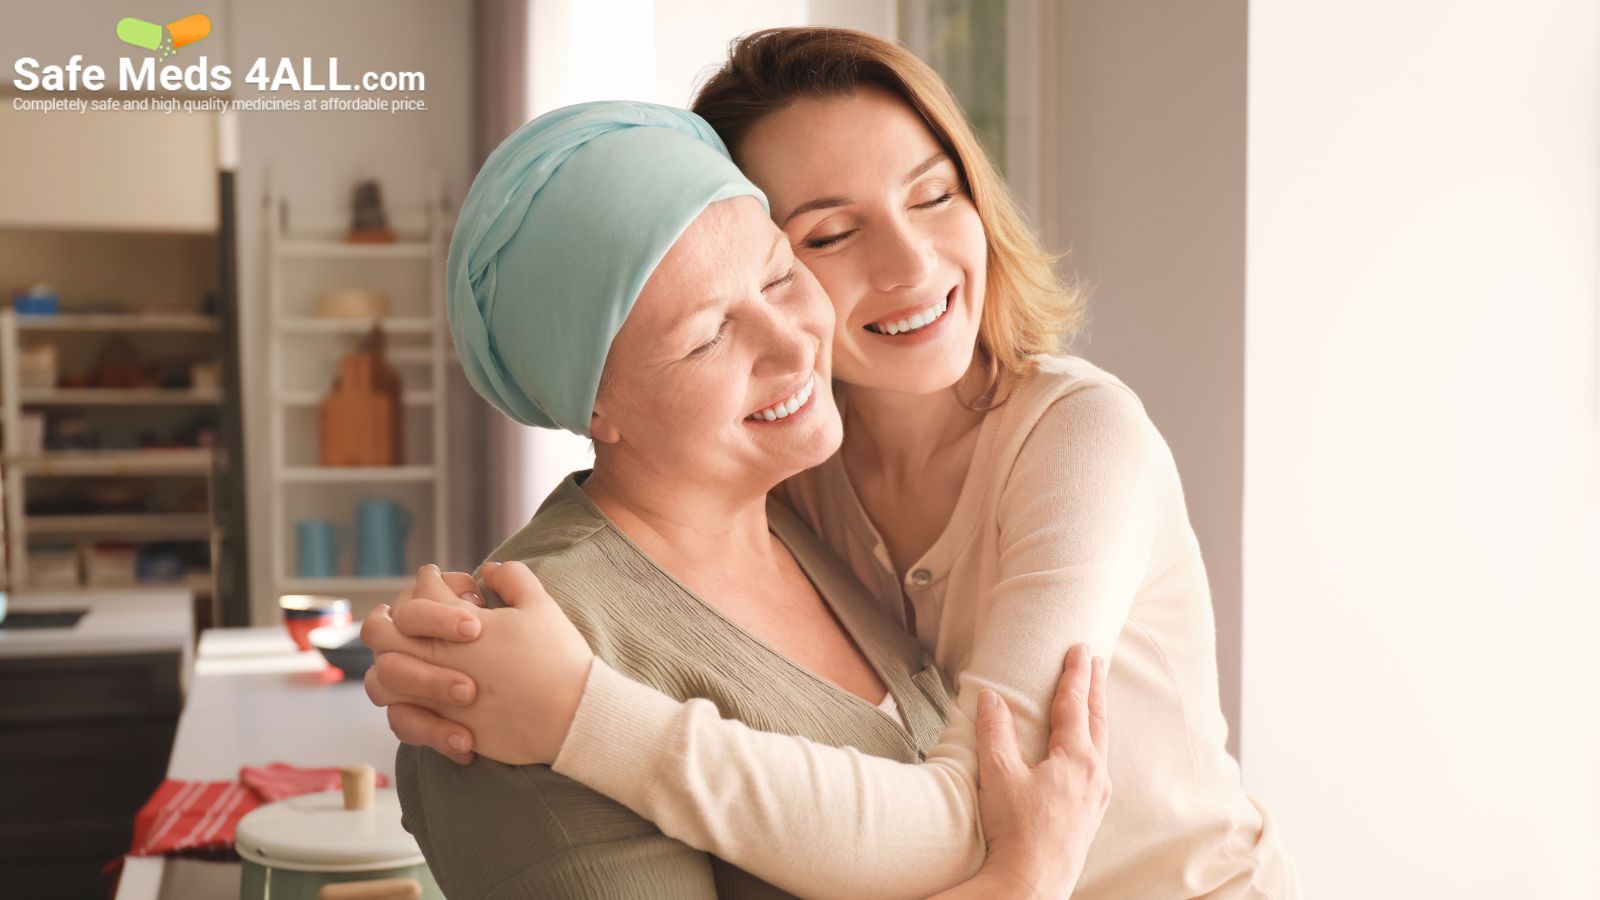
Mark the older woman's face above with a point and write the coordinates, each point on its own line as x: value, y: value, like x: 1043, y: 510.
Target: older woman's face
x: 720, y: 371
x: 877, y: 210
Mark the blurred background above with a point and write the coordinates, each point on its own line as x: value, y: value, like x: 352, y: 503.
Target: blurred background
x: 1344, y: 251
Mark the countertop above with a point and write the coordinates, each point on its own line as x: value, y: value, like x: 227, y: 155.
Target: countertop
x: 120, y: 620
x: 255, y: 699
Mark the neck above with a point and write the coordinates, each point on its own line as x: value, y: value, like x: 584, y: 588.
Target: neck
x: 896, y: 435
x: 681, y: 521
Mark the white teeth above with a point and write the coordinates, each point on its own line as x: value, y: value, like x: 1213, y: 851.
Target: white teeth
x: 912, y: 323
x: 786, y: 408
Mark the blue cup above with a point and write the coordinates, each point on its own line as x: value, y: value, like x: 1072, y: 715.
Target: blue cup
x: 317, y: 549
x: 382, y: 527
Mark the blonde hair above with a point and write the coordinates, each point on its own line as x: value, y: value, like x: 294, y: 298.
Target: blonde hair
x: 1027, y: 309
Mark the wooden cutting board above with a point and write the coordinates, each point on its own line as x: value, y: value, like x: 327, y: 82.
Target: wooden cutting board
x: 361, y: 416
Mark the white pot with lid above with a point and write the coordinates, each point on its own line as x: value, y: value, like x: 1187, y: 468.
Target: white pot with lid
x: 334, y: 845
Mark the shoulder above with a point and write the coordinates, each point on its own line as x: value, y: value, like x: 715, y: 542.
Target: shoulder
x: 579, y: 558
x: 1069, y: 411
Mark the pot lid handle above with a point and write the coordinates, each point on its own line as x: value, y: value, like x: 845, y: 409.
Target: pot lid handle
x: 377, y: 889
x: 359, y: 782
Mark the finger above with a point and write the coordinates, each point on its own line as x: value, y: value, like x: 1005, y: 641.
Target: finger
x: 424, y: 618
x: 1099, y: 708
x: 997, y: 738
x: 407, y: 679
x: 515, y: 583
x: 1069, y: 713
x: 418, y: 726
x: 464, y: 587
x: 380, y: 634
x: 431, y: 585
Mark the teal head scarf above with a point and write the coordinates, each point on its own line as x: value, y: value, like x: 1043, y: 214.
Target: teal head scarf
x: 559, y: 233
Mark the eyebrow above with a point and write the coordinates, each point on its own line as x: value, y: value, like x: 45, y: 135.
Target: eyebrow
x: 834, y: 202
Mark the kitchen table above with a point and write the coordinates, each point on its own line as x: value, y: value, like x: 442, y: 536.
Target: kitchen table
x: 255, y: 699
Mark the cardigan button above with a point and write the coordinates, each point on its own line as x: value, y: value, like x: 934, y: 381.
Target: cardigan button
x: 921, y: 577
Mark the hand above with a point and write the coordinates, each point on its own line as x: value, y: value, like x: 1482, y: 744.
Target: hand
x: 1039, y: 820
x: 529, y: 665
x: 436, y: 605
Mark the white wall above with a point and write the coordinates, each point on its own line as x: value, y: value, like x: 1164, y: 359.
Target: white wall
x: 1421, y: 545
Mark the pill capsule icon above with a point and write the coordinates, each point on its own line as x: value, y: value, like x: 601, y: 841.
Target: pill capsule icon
x: 165, y: 41
x: 139, y: 33
x: 188, y: 29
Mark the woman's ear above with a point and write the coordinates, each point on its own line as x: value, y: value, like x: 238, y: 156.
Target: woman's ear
x: 601, y: 429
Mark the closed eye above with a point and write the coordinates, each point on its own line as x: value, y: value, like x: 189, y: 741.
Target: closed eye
x: 940, y: 200
x: 788, y: 277
x: 708, y: 345
x: 823, y: 243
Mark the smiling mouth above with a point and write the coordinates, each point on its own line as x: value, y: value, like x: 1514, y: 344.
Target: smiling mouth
x: 915, y: 322
x: 788, y: 406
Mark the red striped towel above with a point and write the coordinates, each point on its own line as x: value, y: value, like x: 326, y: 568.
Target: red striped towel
x: 200, y: 817
x: 191, y: 816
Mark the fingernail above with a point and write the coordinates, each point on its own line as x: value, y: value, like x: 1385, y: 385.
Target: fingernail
x: 468, y: 628
x: 473, y: 597
x: 492, y: 564
x: 433, y: 569
x: 462, y: 693
x: 988, y: 700
x: 457, y: 743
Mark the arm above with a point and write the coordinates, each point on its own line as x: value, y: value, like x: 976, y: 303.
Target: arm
x: 1077, y: 515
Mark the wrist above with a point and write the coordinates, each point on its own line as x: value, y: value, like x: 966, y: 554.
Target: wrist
x: 1031, y: 876
x: 567, y: 711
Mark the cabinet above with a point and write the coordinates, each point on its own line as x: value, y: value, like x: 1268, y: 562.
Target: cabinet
x: 307, y: 257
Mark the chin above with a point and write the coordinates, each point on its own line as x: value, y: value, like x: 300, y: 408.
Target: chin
x: 901, y: 381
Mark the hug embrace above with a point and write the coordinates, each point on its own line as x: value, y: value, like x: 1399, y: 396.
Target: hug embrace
x: 871, y: 592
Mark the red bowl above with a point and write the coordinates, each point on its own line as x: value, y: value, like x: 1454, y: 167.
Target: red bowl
x: 304, y: 612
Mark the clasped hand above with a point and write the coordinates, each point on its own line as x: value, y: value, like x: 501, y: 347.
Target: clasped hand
x: 465, y: 679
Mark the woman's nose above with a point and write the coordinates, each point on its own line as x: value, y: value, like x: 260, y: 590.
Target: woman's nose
x: 787, y: 347
x: 901, y: 257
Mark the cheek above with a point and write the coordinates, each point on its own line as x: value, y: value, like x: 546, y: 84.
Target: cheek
x: 840, y: 282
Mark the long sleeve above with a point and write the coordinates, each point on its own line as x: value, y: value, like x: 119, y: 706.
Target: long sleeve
x: 1075, y: 514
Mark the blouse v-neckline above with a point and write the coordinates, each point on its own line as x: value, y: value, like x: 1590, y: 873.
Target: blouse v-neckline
x: 845, y: 613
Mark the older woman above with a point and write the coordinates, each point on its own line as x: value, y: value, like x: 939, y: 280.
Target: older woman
x: 602, y: 253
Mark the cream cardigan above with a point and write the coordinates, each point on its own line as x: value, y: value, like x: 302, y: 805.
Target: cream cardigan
x: 1071, y: 527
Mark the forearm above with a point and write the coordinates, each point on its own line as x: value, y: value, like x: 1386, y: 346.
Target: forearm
x: 810, y: 818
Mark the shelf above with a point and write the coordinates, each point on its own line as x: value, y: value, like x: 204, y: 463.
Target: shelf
x: 177, y: 461
x: 391, y: 325
x: 145, y: 525
x: 315, y: 398
x: 118, y: 322
x: 356, y: 474
x: 118, y: 397
x: 311, y: 249
x: 345, y: 584
x: 199, y: 584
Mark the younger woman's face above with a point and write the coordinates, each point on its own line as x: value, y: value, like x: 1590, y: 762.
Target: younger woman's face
x: 876, y: 209
x: 712, y: 377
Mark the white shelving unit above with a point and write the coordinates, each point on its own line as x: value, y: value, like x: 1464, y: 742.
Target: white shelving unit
x: 18, y: 528
x: 302, y: 355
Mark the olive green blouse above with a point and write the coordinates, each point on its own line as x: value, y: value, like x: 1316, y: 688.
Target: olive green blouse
x: 490, y: 830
